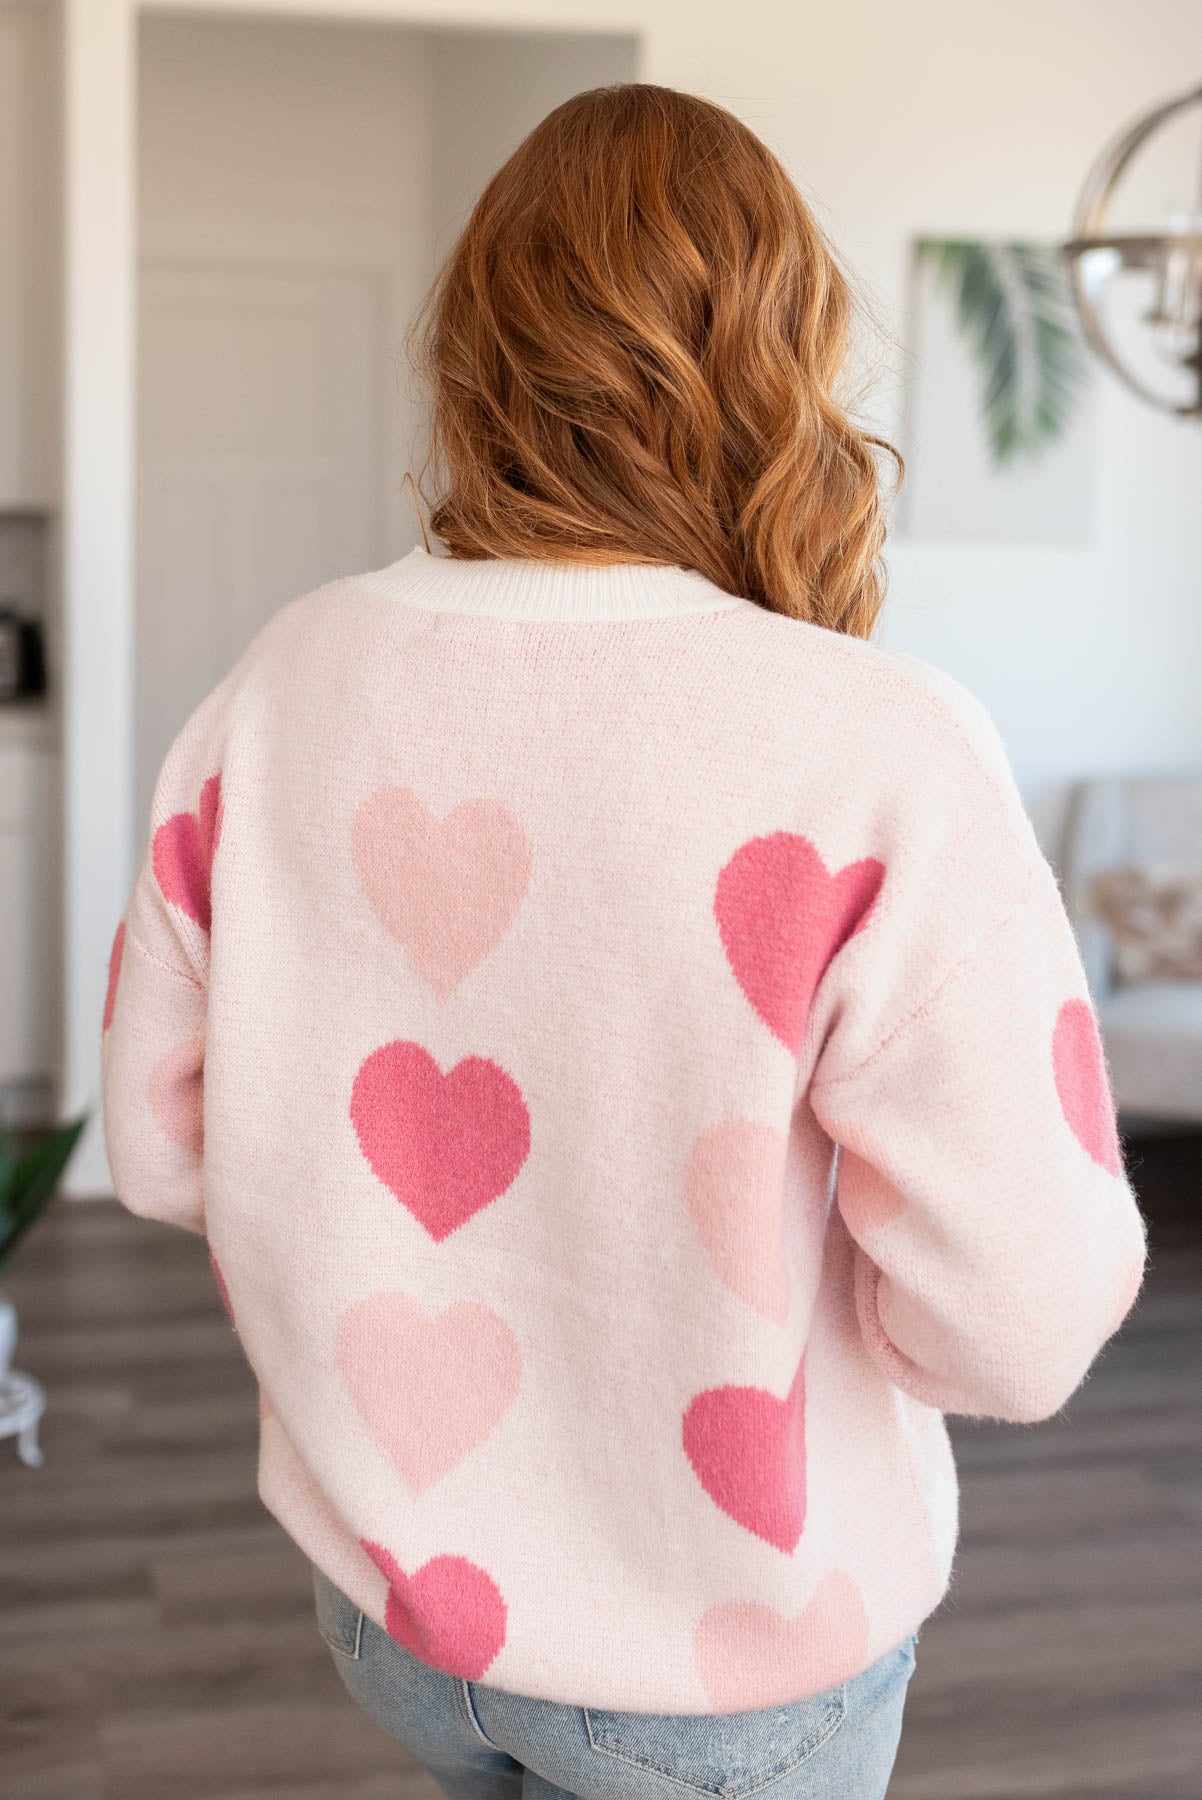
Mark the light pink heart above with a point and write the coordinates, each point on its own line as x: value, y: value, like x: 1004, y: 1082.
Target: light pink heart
x: 115, y: 956
x: 182, y: 855
x: 782, y: 916
x: 450, y: 1613
x: 747, y: 1448
x: 445, y: 1145
x: 446, y: 889
x: 1079, y: 1065
x: 735, y: 1192
x: 748, y: 1655
x: 176, y: 1094
x: 430, y: 1390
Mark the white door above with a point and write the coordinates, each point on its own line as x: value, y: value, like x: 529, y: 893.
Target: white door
x: 261, y: 446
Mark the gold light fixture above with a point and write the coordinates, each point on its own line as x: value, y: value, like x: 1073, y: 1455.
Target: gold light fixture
x: 1106, y: 264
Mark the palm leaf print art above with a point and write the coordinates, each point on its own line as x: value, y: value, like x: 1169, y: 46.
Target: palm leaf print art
x: 1013, y: 307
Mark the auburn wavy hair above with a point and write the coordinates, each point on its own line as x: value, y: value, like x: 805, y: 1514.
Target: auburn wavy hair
x: 633, y: 353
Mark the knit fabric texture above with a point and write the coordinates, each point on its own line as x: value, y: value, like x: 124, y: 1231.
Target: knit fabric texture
x: 630, y: 1061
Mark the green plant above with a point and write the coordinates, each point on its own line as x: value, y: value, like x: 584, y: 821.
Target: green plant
x: 29, y: 1177
x: 1014, y: 308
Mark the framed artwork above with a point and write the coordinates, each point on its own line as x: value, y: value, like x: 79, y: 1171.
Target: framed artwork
x: 999, y: 436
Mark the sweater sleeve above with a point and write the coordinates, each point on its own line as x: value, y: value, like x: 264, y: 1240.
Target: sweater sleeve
x: 997, y: 1242
x: 153, y: 1046
x: 961, y: 1075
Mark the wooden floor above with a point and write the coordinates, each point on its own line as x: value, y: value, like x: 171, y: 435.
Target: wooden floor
x: 156, y: 1636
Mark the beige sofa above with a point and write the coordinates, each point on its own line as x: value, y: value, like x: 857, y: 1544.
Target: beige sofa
x: 1153, y: 1030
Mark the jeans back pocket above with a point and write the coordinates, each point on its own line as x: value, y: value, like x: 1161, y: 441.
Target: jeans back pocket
x: 339, y: 1620
x: 727, y: 1754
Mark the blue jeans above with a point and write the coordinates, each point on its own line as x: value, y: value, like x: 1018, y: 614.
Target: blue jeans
x: 481, y: 1743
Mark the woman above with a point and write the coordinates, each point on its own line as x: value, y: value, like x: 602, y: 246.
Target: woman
x: 616, y: 1029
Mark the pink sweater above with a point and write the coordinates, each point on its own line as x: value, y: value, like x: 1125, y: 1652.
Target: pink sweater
x: 632, y: 1067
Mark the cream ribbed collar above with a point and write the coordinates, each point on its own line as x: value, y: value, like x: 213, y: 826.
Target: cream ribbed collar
x: 545, y: 590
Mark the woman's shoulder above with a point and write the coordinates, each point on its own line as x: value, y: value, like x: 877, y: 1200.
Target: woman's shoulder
x: 922, y: 711
x: 955, y: 706
x: 875, y: 706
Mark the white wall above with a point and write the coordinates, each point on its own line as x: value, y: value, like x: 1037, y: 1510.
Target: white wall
x: 246, y: 120
x: 504, y: 84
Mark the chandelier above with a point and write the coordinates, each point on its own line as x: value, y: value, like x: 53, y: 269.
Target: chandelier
x: 1139, y: 293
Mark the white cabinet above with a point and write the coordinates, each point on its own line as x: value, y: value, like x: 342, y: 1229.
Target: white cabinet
x: 29, y: 907
x: 28, y: 210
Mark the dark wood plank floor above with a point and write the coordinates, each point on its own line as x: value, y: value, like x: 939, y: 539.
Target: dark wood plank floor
x: 156, y: 1635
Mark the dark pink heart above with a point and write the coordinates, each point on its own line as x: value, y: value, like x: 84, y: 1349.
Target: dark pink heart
x: 1079, y: 1066
x: 446, y: 1145
x: 747, y: 1449
x: 782, y: 916
x: 115, y: 955
x: 447, y: 889
x: 182, y: 855
x: 449, y: 1613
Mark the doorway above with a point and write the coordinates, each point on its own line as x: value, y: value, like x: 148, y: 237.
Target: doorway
x: 298, y: 184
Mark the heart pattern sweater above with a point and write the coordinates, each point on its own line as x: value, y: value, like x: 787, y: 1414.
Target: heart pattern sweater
x: 632, y: 1067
